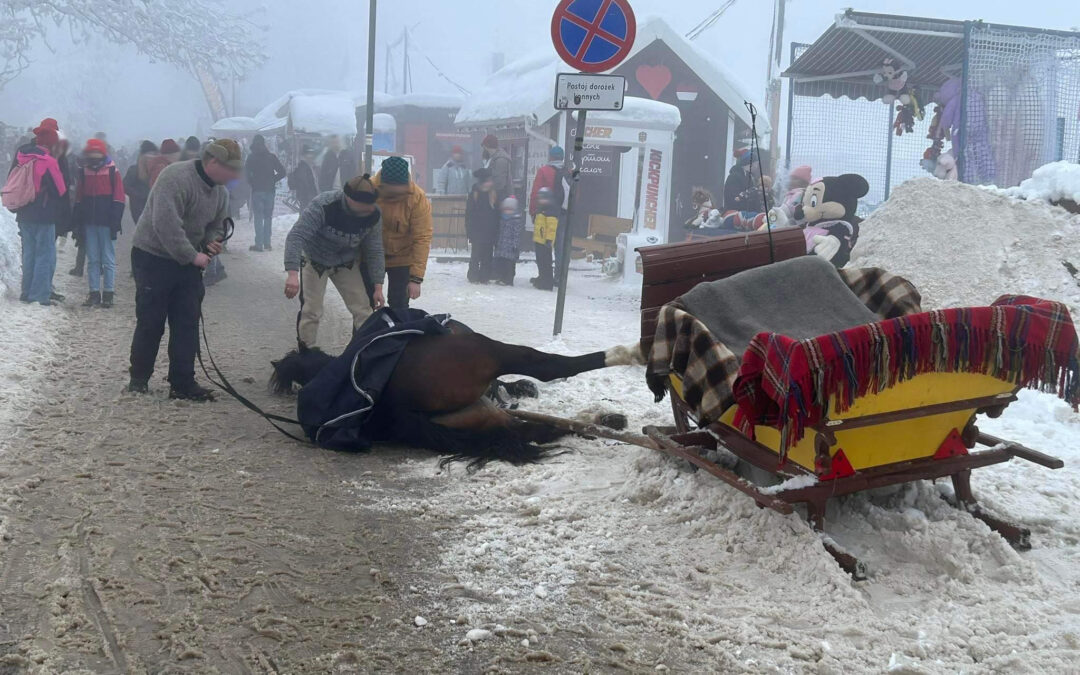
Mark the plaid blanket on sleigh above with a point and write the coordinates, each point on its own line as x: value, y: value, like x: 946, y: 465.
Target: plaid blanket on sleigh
x: 792, y: 384
x: 708, y: 368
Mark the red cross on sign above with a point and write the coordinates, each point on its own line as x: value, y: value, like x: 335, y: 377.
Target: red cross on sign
x: 593, y: 35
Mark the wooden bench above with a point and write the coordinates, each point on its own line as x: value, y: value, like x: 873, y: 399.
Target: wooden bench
x: 669, y: 270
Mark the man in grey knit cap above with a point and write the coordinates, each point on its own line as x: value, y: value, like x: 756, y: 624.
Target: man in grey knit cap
x: 180, y: 230
x: 338, y: 238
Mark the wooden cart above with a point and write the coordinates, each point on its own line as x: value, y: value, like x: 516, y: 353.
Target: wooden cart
x: 923, y: 428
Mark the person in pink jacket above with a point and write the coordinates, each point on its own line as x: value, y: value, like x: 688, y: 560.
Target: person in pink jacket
x: 37, y: 220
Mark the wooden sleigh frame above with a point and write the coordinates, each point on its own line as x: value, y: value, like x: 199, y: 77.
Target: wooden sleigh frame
x: 673, y: 269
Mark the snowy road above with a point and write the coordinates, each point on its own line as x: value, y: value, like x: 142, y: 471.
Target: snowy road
x: 145, y: 535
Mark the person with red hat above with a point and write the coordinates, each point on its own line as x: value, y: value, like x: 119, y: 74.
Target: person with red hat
x: 498, y: 161
x: 37, y: 169
x: 454, y: 177
x: 99, y: 208
x: 169, y: 153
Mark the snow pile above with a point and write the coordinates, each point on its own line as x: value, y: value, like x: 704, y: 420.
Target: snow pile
x: 10, y: 255
x: 1054, y: 182
x: 965, y: 246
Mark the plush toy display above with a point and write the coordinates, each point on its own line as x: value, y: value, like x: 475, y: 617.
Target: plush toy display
x: 828, y: 208
x: 895, y: 80
x: 946, y: 166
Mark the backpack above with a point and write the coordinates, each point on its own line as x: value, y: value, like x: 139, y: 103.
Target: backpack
x: 19, y: 189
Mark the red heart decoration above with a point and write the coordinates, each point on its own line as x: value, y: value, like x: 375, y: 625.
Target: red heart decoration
x: 655, y: 79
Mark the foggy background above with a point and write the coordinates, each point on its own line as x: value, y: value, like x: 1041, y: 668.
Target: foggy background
x: 95, y: 85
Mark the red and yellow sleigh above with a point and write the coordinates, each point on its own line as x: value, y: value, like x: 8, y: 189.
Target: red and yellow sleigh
x: 884, y: 419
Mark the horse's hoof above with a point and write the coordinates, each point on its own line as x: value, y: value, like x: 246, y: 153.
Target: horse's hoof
x: 521, y: 389
x: 615, y: 421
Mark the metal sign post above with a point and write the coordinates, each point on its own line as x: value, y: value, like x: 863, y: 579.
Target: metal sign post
x: 591, y: 36
x: 568, y: 238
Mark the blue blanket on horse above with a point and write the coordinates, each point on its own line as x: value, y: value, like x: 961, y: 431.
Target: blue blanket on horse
x: 335, y: 408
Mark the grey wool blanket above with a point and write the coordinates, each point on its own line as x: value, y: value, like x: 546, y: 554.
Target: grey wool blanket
x: 800, y: 298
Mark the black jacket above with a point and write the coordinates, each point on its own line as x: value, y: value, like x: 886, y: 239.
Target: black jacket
x: 481, y: 219
x: 302, y: 182
x: 742, y: 192
x: 344, y: 160
x: 264, y: 170
x: 137, y: 191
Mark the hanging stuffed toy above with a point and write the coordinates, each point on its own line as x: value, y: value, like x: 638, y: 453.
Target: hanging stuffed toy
x: 907, y: 113
x: 895, y: 80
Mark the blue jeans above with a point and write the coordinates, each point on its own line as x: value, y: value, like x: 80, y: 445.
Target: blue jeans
x: 100, y: 257
x: 262, y: 206
x: 38, y: 261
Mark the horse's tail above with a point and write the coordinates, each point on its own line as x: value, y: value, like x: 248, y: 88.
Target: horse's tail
x: 516, y: 443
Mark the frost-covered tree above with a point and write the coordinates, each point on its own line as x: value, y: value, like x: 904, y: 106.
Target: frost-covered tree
x: 199, y: 36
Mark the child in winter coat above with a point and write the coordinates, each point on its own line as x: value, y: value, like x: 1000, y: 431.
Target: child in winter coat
x: 99, y: 208
x: 507, y: 247
x: 545, y: 229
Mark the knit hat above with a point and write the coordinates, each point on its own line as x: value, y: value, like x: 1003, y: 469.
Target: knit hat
x: 169, y: 147
x: 46, y: 138
x: 556, y: 154
x: 147, y: 146
x: 225, y: 150
x: 361, y: 189
x: 457, y: 150
x: 48, y: 123
x: 482, y: 174
x: 96, y: 145
x: 395, y: 171
x: 193, y: 144
x: 743, y: 157
x: 510, y: 202
x: 801, y: 174
x: 490, y: 142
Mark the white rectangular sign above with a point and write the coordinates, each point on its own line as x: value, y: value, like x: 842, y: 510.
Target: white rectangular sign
x: 578, y: 91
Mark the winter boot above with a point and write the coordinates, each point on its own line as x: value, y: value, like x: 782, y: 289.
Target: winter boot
x: 107, y: 299
x: 93, y: 300
x: 56, y: 297
x: 138, y: 386
x: 191, y: 391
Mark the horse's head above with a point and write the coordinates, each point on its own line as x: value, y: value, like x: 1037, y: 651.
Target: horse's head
x: 299, y: 367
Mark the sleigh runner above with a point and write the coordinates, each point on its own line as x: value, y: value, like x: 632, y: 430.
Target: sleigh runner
x: 830, y: 383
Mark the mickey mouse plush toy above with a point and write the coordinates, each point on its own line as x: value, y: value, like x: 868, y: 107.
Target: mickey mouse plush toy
x: 828, y: 210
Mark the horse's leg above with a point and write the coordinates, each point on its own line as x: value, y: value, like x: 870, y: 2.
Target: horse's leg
x: 543, y: 366
x: 485, y: 416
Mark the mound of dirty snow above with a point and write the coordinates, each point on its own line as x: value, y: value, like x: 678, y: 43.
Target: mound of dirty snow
x: 10, y: 255
x: 965, y: 246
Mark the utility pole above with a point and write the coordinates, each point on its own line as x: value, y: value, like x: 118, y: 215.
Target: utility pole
x: 405, y: 62
x: 370, y: 87
x: 773, y: 86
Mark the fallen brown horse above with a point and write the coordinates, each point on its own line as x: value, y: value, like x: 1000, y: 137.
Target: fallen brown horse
x: 439, y: 394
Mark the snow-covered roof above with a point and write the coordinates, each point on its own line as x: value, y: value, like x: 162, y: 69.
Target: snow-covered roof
x: 246, y: 125
x: 383, y: 123
x: 641, y: 112
x: 418, y: 100
x: 525, y: 89
x: 323, y: 114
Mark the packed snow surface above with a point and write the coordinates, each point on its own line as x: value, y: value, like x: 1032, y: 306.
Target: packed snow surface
x: 966, y: 246
x: 1053, y: 182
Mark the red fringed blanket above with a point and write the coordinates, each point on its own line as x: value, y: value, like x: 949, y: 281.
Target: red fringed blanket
x: 789, y: 384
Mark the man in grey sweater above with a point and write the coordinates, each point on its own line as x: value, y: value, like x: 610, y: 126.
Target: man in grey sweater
x: 337, y: 238
x: 179, y: 231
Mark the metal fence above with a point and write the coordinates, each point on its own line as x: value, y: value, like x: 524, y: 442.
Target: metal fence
x: 844, y: 135
x: 1022, y: 102
x: 1020, y: 109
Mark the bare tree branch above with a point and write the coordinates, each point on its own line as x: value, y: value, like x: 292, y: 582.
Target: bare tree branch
x: 191, y: 34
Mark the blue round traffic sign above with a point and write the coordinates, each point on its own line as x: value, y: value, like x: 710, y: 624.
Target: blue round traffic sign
x: 593, y: 35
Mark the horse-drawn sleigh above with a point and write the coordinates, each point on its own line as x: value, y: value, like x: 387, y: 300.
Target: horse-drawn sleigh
x: 828, y: 383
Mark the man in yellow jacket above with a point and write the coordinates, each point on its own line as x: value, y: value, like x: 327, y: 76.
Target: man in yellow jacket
x: 407, y: 231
